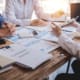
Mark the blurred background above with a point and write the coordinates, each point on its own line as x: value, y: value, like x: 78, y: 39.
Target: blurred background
x: 56, y: 8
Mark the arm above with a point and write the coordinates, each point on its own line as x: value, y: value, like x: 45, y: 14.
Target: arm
x: 67, y: 43
x: 7, y: 29
x: 39, y: 11
x: 10, y: 14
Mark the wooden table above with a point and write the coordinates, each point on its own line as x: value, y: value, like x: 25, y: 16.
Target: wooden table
x: 17, y: 73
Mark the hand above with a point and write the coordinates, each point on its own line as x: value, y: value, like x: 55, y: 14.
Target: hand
x: 76, y: 24
x: 72, y: 23
x: 4, y: 32
x: 10, y: 27
x: 38, y: 22
x: 56, y: 30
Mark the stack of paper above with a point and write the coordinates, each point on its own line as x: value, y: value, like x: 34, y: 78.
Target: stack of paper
x: 33, y: 59
x: 38, y: 44
x: 5, y: 64
x: 24, y: 57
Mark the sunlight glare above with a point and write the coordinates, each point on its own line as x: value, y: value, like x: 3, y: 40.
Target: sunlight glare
x: 51, y: 6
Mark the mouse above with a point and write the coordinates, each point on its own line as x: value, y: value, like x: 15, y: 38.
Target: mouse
x: 2, y: 41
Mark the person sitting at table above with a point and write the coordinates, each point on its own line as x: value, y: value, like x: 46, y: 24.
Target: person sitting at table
x: 20, y: 12
x: 72, y: 47
x: 6, y: 29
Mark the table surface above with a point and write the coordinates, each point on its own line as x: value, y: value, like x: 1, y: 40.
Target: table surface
x: 17, y: 73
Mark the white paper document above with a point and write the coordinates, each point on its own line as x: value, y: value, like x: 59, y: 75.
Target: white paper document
x: 39, y: 29
x: 46, y: 35
x: 42, y: 33
x: 33, y: 59
x: 23, y: 57
x: 38, y: 44
x: 23, y: 32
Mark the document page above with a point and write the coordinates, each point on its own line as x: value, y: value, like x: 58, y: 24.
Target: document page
x: 23, y: 32
x: 42, y: 33
x: 39, y: 29
x: 47, y: 36
x: 23, y: 57
x: 38, y: 44
x: 20, y: 33
x: 33, y: 59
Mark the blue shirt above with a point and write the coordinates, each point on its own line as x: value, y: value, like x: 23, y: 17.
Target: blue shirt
x: 1, y: 21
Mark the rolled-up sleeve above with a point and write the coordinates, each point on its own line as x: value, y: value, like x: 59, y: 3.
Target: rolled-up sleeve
x: 10, y: 14
x: 69, y: 45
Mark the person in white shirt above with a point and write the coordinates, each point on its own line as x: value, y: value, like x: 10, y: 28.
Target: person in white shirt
x: 73, y: 48
x: 20, y: 12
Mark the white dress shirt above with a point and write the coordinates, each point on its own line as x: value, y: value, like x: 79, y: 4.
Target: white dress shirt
x: 69, y: 45
x: 20, y: 14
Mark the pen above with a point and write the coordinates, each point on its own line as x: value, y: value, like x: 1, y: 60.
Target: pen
x: 70, y: 21
x: 66, y: 30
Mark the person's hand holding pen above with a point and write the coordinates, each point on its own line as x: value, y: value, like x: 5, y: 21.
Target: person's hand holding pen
x: 7, y: 29
x: 38, y: 22
x: 11, y: 27
x: 56, y: 29
x: 72, y: 22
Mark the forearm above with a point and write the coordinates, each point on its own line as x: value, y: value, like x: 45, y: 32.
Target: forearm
x: 21, y: 22
x: 69, y: 45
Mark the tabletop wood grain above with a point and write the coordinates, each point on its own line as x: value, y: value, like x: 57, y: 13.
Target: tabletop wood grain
x: 17, y: 73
